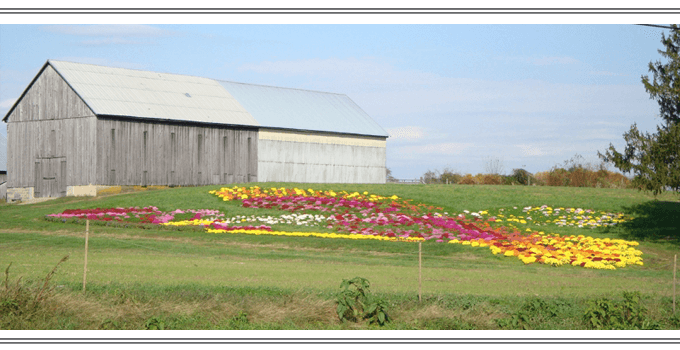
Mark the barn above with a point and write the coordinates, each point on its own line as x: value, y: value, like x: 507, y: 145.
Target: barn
x: 78, y: 129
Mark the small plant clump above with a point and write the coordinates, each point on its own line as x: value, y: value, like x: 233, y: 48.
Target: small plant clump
x: 629, y: 313
x: 20, y: 300
x: 356, y: 303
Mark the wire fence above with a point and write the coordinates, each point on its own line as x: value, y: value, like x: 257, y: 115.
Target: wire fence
x: 406, y: 181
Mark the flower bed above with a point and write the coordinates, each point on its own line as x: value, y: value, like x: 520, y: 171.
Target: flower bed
x: 560, y: 216
x: 354, y: 215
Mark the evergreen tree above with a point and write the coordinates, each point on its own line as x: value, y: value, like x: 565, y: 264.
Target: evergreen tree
x: 654, y: 159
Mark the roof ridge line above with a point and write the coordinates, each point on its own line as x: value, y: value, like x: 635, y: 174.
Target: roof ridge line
x: 196, y: 76
x: 132, y: 69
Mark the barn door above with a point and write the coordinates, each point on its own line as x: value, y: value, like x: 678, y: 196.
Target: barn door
x: 50, y: 177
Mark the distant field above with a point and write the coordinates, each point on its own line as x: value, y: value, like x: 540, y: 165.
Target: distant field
x: 152, y: 262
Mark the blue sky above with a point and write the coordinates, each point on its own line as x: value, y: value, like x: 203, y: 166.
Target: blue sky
x: 451, y: 95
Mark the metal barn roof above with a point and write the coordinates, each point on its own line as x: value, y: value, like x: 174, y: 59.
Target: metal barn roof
x: 136, y: 93
x: 144, y: 94
x: 287, y: 108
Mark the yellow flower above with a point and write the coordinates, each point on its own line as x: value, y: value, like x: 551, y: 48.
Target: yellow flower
x: 529, y: 260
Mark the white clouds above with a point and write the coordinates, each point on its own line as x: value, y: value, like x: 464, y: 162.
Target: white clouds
x: 118, y: 30
x: 531, y: 151
x: 110, y: 34
x: 407, y: 133
x: 451, y: 148
x: 110, y: 41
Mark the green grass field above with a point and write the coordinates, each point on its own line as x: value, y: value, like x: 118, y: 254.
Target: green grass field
x: 146, y: 277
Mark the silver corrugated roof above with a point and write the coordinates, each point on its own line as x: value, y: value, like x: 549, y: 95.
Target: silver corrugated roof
x: 303, y: 109
x: 136, y: 93
x: 144, y: 94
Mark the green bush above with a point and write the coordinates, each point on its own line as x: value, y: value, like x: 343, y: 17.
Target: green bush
x: 521, y: 176
x: 355, y: 303
x: 629, y: 313
x: 449, y: 177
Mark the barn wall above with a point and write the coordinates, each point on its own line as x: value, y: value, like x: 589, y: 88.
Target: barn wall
x: 49, y: 98
x: 70, y: 140
x: 49, y: 126
x: 288, y: 156
x: 195, y: 155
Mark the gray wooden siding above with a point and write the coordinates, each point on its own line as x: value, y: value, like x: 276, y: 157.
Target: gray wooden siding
x: 69, y: 140
x: 50, y: 138
x: 320, y: 163
x: 144, y: 153
x: 49, y: 98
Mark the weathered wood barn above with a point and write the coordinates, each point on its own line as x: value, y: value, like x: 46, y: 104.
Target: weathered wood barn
x: 79, y: 128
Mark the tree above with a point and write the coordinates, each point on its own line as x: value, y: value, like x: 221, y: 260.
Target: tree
x: 430, y: 177
x: 388, y: 175
x: 448, y: 176
x: 494, y: 166
x: 654, y: 159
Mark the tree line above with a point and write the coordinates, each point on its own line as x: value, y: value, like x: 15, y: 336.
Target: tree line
x: 574, y: 172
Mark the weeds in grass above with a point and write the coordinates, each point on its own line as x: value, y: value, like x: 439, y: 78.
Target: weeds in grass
x: 18, y: 298
x: 155, y: 323
x: 355, y: 302
x: 534, y: 312
x: 629, y: 313
x: 239, y: 321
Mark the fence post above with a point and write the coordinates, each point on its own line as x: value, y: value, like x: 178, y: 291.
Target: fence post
x: 87, y: 236
x: 420, y: 274
x: 675, y: 262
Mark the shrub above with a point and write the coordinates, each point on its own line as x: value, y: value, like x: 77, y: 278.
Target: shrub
x: 557, y: 177
x: 491, y: 179
x: 468, y: 179
x: 626, y: 314
x: 508, y: 180
x: 582, y: 177
x: 521, y: 176
x: 542, y: 177
x: 616, y: 180
x: 448, y: 176
x: 355, y: 302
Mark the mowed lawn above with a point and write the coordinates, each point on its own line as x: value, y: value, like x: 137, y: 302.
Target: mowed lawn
x: 160, y: 257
